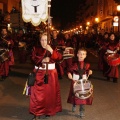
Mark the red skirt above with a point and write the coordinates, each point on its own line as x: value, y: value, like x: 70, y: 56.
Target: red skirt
x: 45, y: 99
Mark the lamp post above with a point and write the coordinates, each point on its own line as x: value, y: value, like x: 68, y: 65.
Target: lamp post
x: 118, y: 10
x: 96, y: 25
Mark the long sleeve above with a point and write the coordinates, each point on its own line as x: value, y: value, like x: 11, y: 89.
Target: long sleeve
x: 38, y: 55
x: 56, y: 56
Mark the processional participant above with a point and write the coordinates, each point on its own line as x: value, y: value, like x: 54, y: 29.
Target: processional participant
x: 68, y: 52
x: 45, y: 96
x: 78, y: 71
x: 21, y: 43
x: 58, y: 42
x: 7, y: 57
x: 110, y: 68
x: 102, y: 42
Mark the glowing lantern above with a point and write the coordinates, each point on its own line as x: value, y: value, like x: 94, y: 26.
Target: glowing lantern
x: 35, y: 11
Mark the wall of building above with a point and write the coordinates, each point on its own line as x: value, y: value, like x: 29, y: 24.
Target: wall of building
x: 13, y: 3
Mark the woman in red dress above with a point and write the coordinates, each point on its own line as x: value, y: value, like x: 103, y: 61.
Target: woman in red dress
x: 45, y: 98
x: 111, y: 70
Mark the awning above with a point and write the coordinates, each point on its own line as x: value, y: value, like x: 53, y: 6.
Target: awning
x: 106, y: 19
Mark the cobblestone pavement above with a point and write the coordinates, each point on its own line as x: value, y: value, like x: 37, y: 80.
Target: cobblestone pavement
x: 14, y: 106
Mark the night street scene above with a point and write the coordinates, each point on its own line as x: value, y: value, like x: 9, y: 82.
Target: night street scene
x: 59, y: 59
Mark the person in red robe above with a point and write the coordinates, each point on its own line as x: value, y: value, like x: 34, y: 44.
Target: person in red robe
x: 79, y: 69
x: 7, y: 56
x: 45, y: 98
x: 102, y: 49
x: 111, y: 70
x: 21, y: 44
x: 57, y: 41
x: 68, y: 53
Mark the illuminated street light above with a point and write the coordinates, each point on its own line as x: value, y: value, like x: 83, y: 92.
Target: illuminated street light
x: 88, y: 23
x: 118, y: 9
x: 80, y: 26
x: 97, y: 20
x: 87, y: 28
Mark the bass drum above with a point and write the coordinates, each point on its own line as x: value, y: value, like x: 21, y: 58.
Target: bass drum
x: 113, y: 59
x: 4, y: 55
x: 68, y: 53
x: 83, y: 89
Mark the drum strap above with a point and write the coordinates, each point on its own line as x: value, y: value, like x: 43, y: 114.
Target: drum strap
x: 80, y: 71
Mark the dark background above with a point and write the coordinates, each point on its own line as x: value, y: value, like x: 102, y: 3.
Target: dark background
x: 64, y: 12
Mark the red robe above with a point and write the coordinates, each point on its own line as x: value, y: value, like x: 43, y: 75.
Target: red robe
x: 45, y: 99
x: 67, y: 62
x: 4, y: 66
x: 11, y: 55
x: 102, y: 51
x: 55, y: 43
x: 71, y: 98
x: 108, y: 70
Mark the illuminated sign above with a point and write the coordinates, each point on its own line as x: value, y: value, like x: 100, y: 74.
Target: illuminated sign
x: 115, y: 23
x: 116, y: 19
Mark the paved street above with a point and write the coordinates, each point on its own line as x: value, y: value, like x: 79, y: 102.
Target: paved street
x: 14, y: 105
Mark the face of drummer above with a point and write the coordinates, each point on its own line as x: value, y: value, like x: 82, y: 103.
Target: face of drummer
x: 81, y: 55
x: 54, y: 34
x: 112, y: 37
x: 4, y: 32
x: 43, y: 41
x: 106, y: 36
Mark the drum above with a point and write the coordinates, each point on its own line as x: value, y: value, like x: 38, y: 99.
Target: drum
x: 4, y: 55
x: 68, y: 53
x: 83, y: 89
x: 113, y: 59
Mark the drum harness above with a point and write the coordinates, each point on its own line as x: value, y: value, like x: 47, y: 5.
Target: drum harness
x: 81, y: 71
x: 85, y: 91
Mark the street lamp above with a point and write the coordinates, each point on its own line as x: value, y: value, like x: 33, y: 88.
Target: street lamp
x: 96, y: 20
x: 118, y: 9
x: 88, y: 23
x: 96, y: 24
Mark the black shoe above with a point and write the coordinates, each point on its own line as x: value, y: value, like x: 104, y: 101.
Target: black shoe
x: 115, y: 80
x: 36, y: 118
x: 108, y: 78
x: 2, y: 79
x: 60, y: 77
x: 47, y: 116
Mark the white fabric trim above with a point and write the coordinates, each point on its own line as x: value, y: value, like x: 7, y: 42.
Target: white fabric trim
x: 51, y: 66
x: 110, y: 51
x: 76, y: 77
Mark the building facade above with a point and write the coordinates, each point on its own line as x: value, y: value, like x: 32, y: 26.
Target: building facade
x: 104, y: 11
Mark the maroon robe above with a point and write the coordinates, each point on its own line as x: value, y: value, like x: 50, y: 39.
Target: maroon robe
x: 72, y: 98
x: 108, y: 70
x: 102, y: 50
x: 67, y: 62
x: 45, y: 99
x: 4, y: 66
x: 11, y: 54
x: 59, y: 41
x: 22, y: 52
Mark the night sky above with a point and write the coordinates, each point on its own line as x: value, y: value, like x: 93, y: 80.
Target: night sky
x: 64, y: 11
